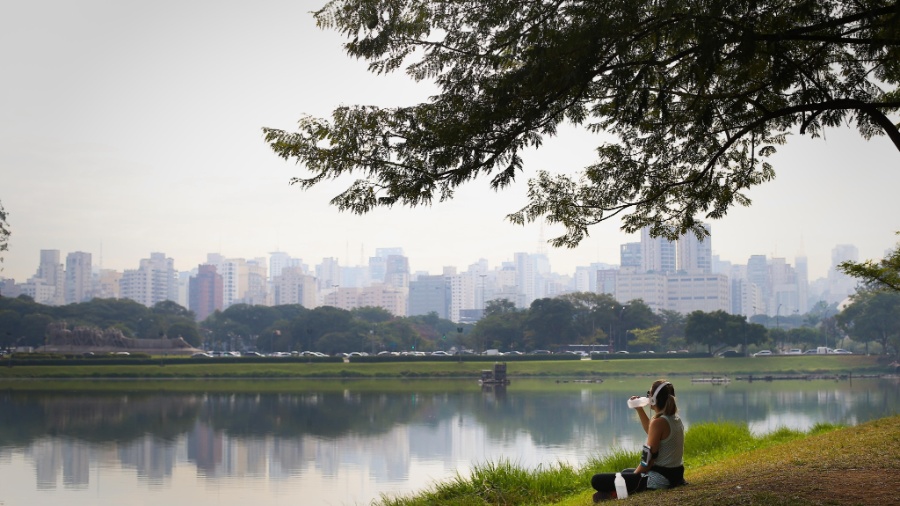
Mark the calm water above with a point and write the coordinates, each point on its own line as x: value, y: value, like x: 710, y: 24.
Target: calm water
x: 345, y: 443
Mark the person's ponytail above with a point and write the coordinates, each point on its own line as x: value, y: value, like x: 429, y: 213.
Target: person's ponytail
x: 670, y: 407
x: 665, y: 398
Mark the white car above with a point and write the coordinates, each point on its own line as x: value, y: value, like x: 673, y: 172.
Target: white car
x: 763, y: 353
x: 841, y: 351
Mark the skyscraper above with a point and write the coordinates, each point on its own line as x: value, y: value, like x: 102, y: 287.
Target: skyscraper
x: 630, y: 255
x: 430, y: 294
x: 48, y: 285
x: 155, y: 280
x: 205, y: 292
x: 78, y: 277
x: 694, y: 255
x: 657, y: 253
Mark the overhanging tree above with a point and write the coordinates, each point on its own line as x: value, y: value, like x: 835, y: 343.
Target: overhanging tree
x: 883, y: 275
x: 697, y: 94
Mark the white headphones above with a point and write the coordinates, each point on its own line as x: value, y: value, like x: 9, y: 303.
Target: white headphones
x: 657, y: 391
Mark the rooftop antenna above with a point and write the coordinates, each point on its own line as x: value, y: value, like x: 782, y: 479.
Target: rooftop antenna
x: 542, y: 245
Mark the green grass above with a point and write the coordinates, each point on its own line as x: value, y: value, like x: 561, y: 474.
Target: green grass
x: 707, y: 446
x: 578, y: 369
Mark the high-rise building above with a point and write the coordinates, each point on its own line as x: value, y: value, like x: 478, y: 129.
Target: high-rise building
x: 47, y: 286
x: 462, y: 294
x: 386, y: 297
x: 106, y: 284
x: 686, y: 293
x: 155, y: 280
x: 694, y: 255
x: 396, y: 273
x: 630, y: 255
x: 606, y: 281
x: 78, y: 277
x: 328, y: 273
x: 758, y: 274
x: 292, y: 286
x: 657, y: 253
x: 531, y: 273
x: 234, y: 274
x: 840, y: 285
x: 785, y: 293
x: 205, y: 292
x: 647, y: 286
x: 257, y: 293
x: 429, y: 294
x: 801, y: 267
x: 278, y: 260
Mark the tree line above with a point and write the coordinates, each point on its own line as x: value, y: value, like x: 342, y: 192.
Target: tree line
x: 548, y: 323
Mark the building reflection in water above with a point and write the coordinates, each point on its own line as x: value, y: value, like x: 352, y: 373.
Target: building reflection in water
x: 282, y: 438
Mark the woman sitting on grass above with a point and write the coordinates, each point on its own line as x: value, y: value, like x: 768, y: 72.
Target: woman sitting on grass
x: 662, y: 458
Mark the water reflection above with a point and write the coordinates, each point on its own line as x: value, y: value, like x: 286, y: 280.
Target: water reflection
x: 350, y: 445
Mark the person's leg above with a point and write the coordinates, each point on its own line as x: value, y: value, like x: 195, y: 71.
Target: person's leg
x: 604, y: 484
x: 634, y: 482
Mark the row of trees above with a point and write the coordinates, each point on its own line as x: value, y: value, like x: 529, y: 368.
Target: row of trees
x: 324, y: 329
x: 549, y: 323
x: 23, y: 322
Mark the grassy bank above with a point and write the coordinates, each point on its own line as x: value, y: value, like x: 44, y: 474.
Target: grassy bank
x: 725, y: 464
x: 579, y: 369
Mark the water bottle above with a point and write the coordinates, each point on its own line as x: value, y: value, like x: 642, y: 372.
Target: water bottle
x: 640, y: 402
x: 621, y: 490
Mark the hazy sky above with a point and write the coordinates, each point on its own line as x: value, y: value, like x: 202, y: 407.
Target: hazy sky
x: 134, y: 127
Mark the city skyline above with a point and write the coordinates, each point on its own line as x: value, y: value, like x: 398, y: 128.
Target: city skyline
x: 133, y: 129
x: 681, y: 276
x: 35, y: 268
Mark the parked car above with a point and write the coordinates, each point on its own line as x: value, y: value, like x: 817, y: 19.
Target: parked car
x: 794, y: 351
x: 763, y: 353
x: 841, y: 351
x: 541, y: 352
x: 439, y: 353
x: 729, y: 353
x: 201, y: 355
x: 811, y: 352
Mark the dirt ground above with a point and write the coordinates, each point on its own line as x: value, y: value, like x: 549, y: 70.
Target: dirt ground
x: 854, y: 466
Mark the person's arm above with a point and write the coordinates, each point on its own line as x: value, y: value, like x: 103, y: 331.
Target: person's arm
x: 645, y: 421
x: 655, y: 434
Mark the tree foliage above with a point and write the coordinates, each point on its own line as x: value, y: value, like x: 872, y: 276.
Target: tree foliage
x: 873, y: 316
x: 695, y: 94
x: 4, y: 232
x: 25, y: 321
x: 883, y: 275
x: 719, y: 330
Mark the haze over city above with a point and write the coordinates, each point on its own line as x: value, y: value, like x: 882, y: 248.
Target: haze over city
x: 135, y: 128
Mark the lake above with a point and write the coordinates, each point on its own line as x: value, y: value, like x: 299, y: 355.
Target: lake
x: 348, y: 442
